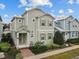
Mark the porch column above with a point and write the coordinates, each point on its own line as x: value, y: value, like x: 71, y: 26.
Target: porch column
x: 17, y: 41
x: 28, y: 39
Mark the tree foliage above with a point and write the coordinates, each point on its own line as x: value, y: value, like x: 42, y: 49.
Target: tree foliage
x: 58, y: 38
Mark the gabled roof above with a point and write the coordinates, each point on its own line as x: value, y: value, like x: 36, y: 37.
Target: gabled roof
x: 69, y: 17
x: 46, y: 14
x: 18, y: 17
x: 65, y: 17
x: 32, y: 10
x: 62, y: 17
x: 0, y: 18
x: 76, y: 20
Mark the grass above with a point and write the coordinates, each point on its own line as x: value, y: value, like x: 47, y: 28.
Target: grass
x: 66, y: 55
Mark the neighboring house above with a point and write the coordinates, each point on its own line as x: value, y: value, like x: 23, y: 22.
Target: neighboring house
x: 6, y: 28
x: 33, y: 26
x: 69, y: 26
x: 1, y: 28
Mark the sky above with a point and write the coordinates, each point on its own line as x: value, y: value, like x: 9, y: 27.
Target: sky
x: 11, y: 8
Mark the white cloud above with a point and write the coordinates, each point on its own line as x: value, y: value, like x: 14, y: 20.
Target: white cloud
x: 2, y: 6
x: 6, y: 16
x: 22, y: 3
x: 61, y: 11
x: 35, y: 3
x: 71, y: 1
x: 42, y: 2
x: 70, y: 11
x: 27, y: 8
x: 77, y: 1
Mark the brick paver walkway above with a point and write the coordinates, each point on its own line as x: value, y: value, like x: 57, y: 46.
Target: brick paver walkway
x: 43, y: 55
x: 25, y: 52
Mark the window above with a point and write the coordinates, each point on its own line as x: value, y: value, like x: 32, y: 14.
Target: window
x: 43, y: 22
x: 50, y: 23
x: 66, y: 33
x: 58, y: 23
x: 33, y: 20
x: 73, y: 25
x: 76, y: 33
x: 20, y: 20
x: 42, y: 36
x: 72, y: 34
x: 42, y: 43
x: 32, y: 34
x: 50, y: 35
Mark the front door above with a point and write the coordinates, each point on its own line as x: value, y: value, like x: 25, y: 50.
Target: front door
x: 22, y: 38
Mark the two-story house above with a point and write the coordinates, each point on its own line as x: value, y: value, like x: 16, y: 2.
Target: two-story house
x: 69, y: 26
x: 1, y: 28
x: 33, y: 26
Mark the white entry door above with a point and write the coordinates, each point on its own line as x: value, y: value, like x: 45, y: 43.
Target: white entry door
x: 22, y: 38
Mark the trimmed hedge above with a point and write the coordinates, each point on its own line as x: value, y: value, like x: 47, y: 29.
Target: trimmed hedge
x: 58, y: 38
x: 73, y: 41
x: 39, y: 49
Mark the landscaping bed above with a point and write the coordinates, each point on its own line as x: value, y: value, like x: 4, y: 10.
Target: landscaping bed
x: 38, y: 48
x: 9, y: 51
x: 66, y: 55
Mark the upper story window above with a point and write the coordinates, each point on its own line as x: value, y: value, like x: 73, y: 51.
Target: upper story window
x: 43, y: 22
x: 20, y: 20
x: 58, y: 23
x: 50, y: 23
x: 42, y: 36
x: 33, y: 20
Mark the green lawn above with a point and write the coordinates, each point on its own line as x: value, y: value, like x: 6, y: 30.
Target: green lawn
x: 66, y: 55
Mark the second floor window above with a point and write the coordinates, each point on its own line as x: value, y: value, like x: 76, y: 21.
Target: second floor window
x: 43, y: 22
x: 50, y: 23
x: 20, y: 20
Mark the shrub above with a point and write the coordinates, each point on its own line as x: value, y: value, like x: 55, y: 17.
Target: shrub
x: 12, y: 52
x: 7, y: 38
x: 18, y: 56
x: 58, y: 38
x: 4, y: 46
x: 55, y: 46
x: 73, y: 41
x: 37, y: 48
x: 49, y: 46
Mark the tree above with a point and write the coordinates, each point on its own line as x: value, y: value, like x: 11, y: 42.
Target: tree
x: 58, y: 38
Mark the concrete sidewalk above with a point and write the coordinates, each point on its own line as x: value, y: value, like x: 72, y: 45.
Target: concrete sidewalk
x: 43, y: 55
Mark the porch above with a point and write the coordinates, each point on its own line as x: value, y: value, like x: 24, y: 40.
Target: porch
x: 22, y: 40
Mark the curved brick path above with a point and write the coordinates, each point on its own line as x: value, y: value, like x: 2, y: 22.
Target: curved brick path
x: 25, y: 52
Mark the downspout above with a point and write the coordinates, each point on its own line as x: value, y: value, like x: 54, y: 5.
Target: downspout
x: 69, y: 30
